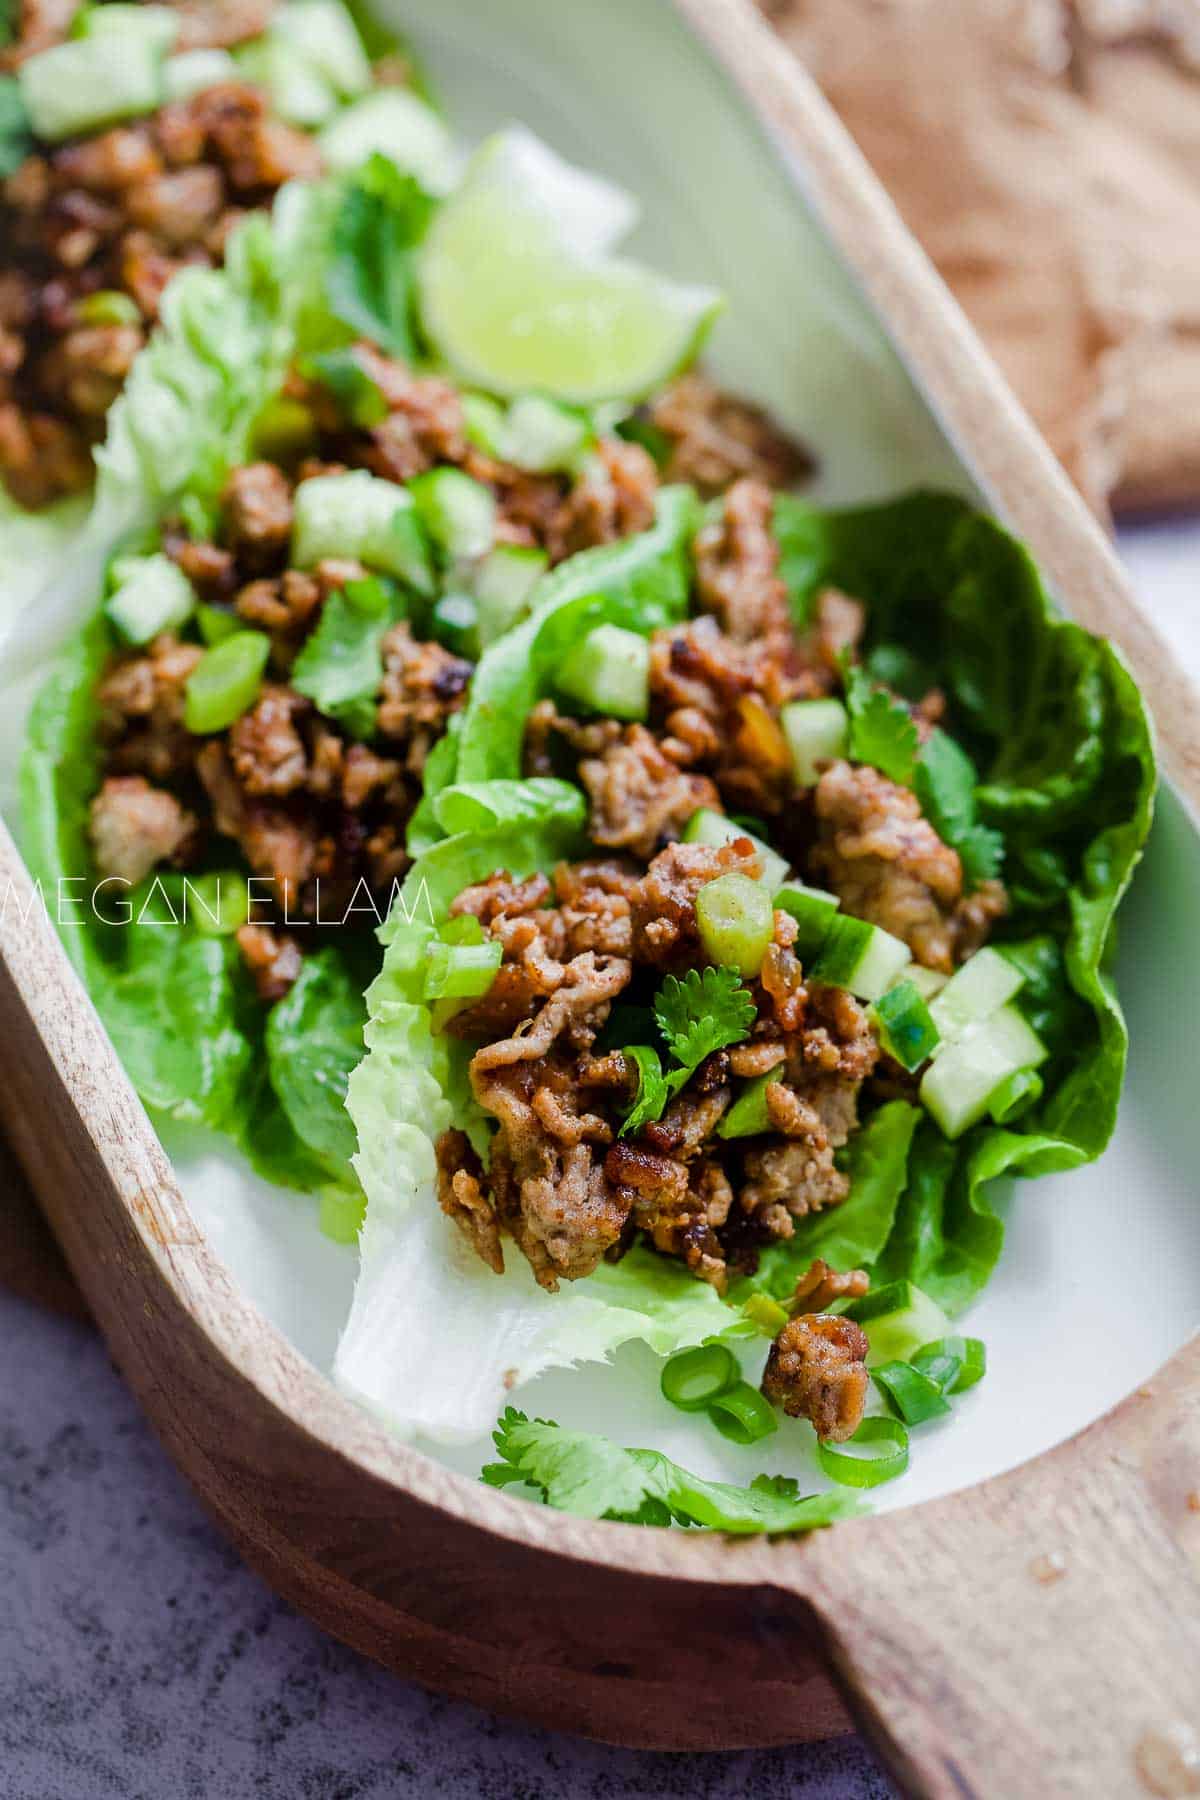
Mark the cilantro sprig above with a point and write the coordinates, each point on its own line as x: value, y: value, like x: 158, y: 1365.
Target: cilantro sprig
x: 707, y: 1010
x: 576, y: 1472
x: 945, y: 781
x: 882, y: 731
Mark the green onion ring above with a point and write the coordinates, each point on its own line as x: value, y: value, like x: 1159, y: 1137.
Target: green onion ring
x: 742, y: 1415
x: 914, y: 1394
x: 692, y: 1379
x: 937, y: 1361
x: 849, y: 1470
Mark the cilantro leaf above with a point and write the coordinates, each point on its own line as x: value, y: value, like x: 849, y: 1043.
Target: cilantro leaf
x: 370, y: 283
x: 594, y: 1478
x: 340, y: 668
x: 653, y: 1091
x: 882, y: 732
x: 706, y: 1011
x: 945, y: 781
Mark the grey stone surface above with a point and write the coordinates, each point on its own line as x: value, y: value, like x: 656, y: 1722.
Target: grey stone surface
x: 140, y: 1660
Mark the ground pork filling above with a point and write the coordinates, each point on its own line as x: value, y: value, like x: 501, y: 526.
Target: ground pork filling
x: 561, y: 1182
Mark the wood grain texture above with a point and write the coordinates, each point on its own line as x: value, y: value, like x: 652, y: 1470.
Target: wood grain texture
x: 974, y: 1676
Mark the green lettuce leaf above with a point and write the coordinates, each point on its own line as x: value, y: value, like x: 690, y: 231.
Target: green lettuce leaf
x: 641, y: 583
x: 1053, y: 722
x: 579, y: 1473
x: 178, y: 1004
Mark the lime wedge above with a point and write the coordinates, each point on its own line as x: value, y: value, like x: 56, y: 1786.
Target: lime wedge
x: 520, y: 291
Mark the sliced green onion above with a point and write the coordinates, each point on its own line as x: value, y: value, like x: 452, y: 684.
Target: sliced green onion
x: 1015, y: 1095
x: 914, y: 1395
x: 109, y: 306
x: 372, y: 595
x: 742, y: 1415
x: 748, y: 1116
x: 283, y: 430
x: 955, y: 1363
x: 216, y: 623
x: 765, y: 1313
x: 692, y: 1379
x: 225, y: 682
x: 844, y: 1466
x: 461, y: 971
x: 905, y: 1024
x: 216, y: 905
x: 736, y: 922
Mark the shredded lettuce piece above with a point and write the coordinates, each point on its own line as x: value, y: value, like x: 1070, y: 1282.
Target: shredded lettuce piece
x: 640, y: 583
x: 589, y: 1476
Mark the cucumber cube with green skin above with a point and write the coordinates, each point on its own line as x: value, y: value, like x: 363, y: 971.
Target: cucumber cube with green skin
x: 90, y: 82
x: 864, y: 958
x: 503, y: 584
x: 983, y: 985
x: 609, y: 672
x: 959, y: 1085
x: 458, y: 512
x: 814, y: 911
x: 361, y: 516
x: 927, y: 982
x: 748, y: 1116
x: 157, y: 26
x: 151, y: 595
x: 299, y: 93
x: 708, y: 827
x: 817, y: 731
x: 906, y: 1028
x: 394, y: 123
x: 898, y: 1319
x: 323, y: 33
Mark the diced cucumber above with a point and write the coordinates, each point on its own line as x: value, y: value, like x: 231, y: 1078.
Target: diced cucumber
x: 864, y: 958
x: 90, y: 82
x: 979, y: 989
x: 610, y: 672
x: 216, y: 623
x: 151, y: 595
x: 747, y: 1117
x: 927, y: 982
x: 459, y: 513
x: 299, y: 92
x: 958, y: 1087
x: 898, y: 1319
x: 323, y: 33
x: 708, y: 827
x: 484, y: 420
x: 906, y: 1028
x: 360, y: 515
x: 396, y: 124
x: 503, y: 583
x: 542, y: 436
x: 192, y: 71
x: 456, y: 624
x: 816, y: 731
x: 157, y: 26
x: 814, y: 912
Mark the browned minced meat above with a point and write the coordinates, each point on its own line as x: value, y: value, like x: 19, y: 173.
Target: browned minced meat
x: 313, y: 812
x: 561, y: 1182
x: 816, y: 1370
x: 887, y: 864
x: 272, y: 958
x: 134, y: 827
x: 123, y: 211
x: 716, y: 439
x: 821, y: 1285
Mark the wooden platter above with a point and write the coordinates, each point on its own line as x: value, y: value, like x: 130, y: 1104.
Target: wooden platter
x: 1036, y: 1636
